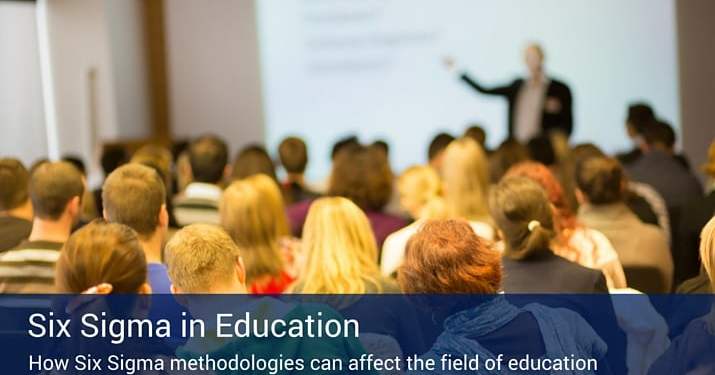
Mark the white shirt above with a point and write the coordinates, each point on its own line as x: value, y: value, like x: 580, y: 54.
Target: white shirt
x: 529, y: 109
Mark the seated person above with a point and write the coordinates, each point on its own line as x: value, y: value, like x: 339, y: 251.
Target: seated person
x: 56, y: 191
x: 524, y: 217
x: 293, y: 154
x: 602, y: 184
x: 15, y: 206
x: 446, y: 256
x: 198, y: 203
x: 253, y: 214
x: 134, y: 195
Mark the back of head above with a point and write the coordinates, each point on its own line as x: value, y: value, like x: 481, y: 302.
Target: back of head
x: 341, y: 249
x: 522, y: 212
x: 509, y: 153
x: 542, y: 150
x: 584, y: 151
x: 52, y: 187
x: 99, y: 253
x: 253, y: 160
x: 201, y: 256
x: 77, y: 162
x: 601, y: 180
x: 156, y: 157
x: 659, y: 133
x: 707, y: 250
x: 112, y: 158
x: 417, y: 186
x: 253, y: 214
x: 293, y: 154
x: 446, y: 256
x: 438, y: 144
x: 383, y: 146
x: 133, y: 195
x: 14, y: 180
x: 465, y: 173
x: 639, y: 117
x: 543, y: 176
x: 347, y: 143
x: 363, y: 175
x: 208, y: 157
x: 477, y: 133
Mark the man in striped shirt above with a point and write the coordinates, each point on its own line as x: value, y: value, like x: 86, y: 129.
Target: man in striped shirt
x: 55, y: 190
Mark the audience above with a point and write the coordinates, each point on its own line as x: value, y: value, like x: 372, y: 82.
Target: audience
x: 573, y: 241
x: 198, y: 203
x: 56, y: 191
x: 293, y: 154
x: 101, y: 258
x: 363, y: 175
x: 447, y: 257
x: 695, y: 215
x: 15, y: 206
x: 642, y: 248
x: 509, y: 153
x: 340, y: 251
x: 159, y: 158
x: 420, y: 190
x: 253, y: 160
x: 465, y: 175
x: 253, y: 214
x: 638, y: 118
x: 135, y: 195
x: 436, y: 149
x: 478, y: 134
x: 112, y: 158
x: 524, y: 216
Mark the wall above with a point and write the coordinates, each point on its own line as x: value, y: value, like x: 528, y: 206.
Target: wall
x: 214, y: 81
x: 21, y: 108
x: 696, y: 31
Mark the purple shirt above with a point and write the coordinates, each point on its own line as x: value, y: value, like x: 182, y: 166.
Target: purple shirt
x: 382, y: 224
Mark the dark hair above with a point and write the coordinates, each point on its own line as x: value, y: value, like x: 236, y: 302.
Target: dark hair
x: 112, y: 158
x: 542, y: 150
x: 382, y: 146
x: 601, y: 180
x: 584, y: 151
x: 346, y: 143
x: 14, y: 179
x: 438, y: 144
x: 477, y: 133
x: 52, y: 186
x: 509, y: 153
x: 293, y: 154
x: 253, y: 160
x: 640, y: 116
x: 98, y: 253
x: 208, y: 156
x: 363, y: 175
x: 446, y: 256
x: 659, y: 132
x: 522, y: 212
x: 133, y: 195
x: 77, y: 162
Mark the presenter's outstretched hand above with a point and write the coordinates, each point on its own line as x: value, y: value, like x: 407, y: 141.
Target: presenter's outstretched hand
x: 449, y: 63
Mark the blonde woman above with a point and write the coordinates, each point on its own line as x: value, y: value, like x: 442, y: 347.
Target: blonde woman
x: 253, y: 213
x: 340, y: 251
x: 465, y: 174
x: 420, y: 190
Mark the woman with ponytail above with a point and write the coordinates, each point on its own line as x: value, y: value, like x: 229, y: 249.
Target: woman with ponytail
x: 524, y: 216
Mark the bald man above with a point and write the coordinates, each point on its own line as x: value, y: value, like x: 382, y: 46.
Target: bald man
x: 538, y: 104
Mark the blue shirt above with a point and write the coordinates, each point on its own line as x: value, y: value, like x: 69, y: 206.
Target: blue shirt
x: 158, y: 278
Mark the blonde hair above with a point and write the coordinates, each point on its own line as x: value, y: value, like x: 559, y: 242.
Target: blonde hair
x: 253, y: 214
x: 707, y: 249
x: 466, y: 180
x: 419, y: 186
x: 340, y: 249
x: 200, y: 256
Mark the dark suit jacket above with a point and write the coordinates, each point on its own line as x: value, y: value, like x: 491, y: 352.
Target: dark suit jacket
x: 562, y: 120
x: 549, y: 273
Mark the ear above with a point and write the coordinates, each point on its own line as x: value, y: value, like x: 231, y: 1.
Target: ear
x: 174, y: 289
x: 104, y: 214
x: 241, y: 271
x: 144, y: 289
x: 580, y: 197
x: 163, y: 221
x: 74, y: 207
